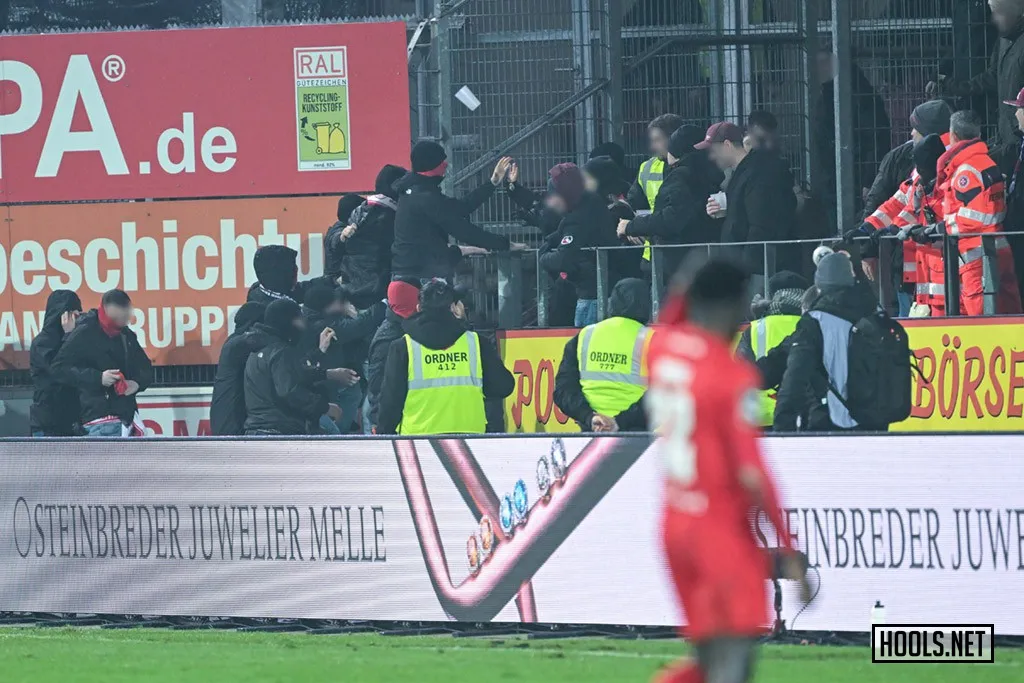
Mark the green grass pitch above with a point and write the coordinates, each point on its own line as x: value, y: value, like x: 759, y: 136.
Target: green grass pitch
x: 92, y: 655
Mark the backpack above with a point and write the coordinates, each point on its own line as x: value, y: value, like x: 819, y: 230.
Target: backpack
x: 878, y: 390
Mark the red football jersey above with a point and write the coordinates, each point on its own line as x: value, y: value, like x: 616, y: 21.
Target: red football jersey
x: 704, y: 403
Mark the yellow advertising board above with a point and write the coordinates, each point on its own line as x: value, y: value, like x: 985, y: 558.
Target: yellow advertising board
x: 971, y: 376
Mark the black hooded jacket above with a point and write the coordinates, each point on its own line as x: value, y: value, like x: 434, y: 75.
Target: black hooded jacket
x: 435, y: 330
x: 277, y: 272
x: 54, y: 405
x: 426, y: 219
x: 804, y: 385
x: 380, y: 346
x: 280, y: 386
x: 589, y: 224
x: 629, y: 299
x: 86, y: 353
x: 681, y: 216
x: 365, y: 258
x: 351, y: 334
x: 227, y: 406
x: 872, y: 131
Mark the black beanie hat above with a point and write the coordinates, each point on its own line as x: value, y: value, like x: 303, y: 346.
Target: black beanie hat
x: 386, y: 180
x: 276, y: 267
x: 249, y: 313
x: 319, y: 297
x: 347, y: 204
x: 280, y: 316
x: 926, y: 157
x: 426, y: 156
x: 931, y: 117
x: 682, y: 141
x: 610, y: 149
x: 608, y: 174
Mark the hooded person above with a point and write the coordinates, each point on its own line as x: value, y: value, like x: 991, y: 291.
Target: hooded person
x: 680, y: 215
x: 818, y: 350
x: 277, y: 275
x: 335, y: 237
x: 617, y: 154
x: 365, y: 266
x: 280, y: 379
x: 586, y: 223
x: 426, y: 219
x: 438, y: 375
x: 103, y: 359
x: 55, y: 407
x: 403, y: 300
x: 227, y: 405
x: 602, y: 378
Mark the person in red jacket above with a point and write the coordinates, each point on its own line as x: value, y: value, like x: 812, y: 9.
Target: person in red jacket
x: 974, y: 204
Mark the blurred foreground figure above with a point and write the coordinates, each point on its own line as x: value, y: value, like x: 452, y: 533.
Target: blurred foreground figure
x: 704, y: 405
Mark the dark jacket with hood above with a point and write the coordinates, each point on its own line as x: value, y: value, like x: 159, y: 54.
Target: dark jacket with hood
x: 277, y: 275
x: 89, y: 351
x: 364, y: 259
x: 348, y: 332
x: 55, y: 408
x: 804, y: 387
x: 435, y: 330
x: 872, y: 132
x: 681, y: 216
x: 280, y: 383
x: 896, y: 167
x: 426, y: 219
x: 377, y: 359
x: 227, y: 406
x: 630, y: 298
x: 588, y: 224
x: 761, y: 207
x: 334, y: 248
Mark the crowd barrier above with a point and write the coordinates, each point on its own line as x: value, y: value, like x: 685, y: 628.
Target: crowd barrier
x: 381, y: 529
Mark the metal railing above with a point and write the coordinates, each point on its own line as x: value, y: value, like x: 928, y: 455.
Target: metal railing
x: 515, y: 308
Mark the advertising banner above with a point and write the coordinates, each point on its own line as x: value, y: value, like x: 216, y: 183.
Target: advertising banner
x: 212, y: 112
x: 176, y: 411
x: 187, y: 265
x: 971, y: 376
x: 536, y: 529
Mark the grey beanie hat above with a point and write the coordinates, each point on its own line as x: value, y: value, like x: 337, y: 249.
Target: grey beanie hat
x: 931, y: 118
x: 835, y: 271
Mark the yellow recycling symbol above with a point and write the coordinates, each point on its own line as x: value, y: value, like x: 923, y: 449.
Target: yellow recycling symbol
x: 330, y: 139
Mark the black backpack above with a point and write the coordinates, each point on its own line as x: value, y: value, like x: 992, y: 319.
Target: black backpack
x: 878, y: 389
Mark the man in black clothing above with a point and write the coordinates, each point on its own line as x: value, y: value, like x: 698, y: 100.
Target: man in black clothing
x: 334, y: 242
x: 1004, y: 78
x: 630, y: 298
x: 818, y: 352
x: 102, y: 358
x: 680, y: 213
x: 277, y: 275
x: 760, y: 204
x: 603, y: 176
x: 403, y: 301
x: 929, y: 118
x: 586, y: 222
x: 435, y: 327
x: 55, y: 408
x: 227, y: 406
x: 427, y: 219
x: 763, y: 130
x: 281, y: 378
x: 365, y: 242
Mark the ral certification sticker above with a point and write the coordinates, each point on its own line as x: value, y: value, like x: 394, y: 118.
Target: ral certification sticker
x: 322, y: 106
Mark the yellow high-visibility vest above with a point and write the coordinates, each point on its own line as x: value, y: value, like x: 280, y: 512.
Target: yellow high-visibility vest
x: 612, y: 357
x: 652, y: 174
x: 446, y: 394
x: 765, y: 334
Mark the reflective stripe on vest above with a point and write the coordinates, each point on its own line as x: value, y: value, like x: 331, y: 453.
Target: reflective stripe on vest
x: 765, y: 334
x: 612, y: 359
x: 445, y: 394
x: 972, y: 255
x: 652, y: 174
x: 930, y: 289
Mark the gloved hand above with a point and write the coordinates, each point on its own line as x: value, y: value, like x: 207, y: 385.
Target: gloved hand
x: 863, y: 230
x: 906, y: 233
x: 872, y: 248
x: 927, y: 234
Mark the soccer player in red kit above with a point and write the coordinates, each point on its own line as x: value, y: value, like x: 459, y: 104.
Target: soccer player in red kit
x: 705, y: 406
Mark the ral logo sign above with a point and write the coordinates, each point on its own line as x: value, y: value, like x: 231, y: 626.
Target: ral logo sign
x: 104, y: 116
x: 321, y: 94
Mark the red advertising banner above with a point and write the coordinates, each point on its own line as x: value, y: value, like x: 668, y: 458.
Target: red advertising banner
x: 202, y: 112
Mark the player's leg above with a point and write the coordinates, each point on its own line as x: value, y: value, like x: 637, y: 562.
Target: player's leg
x: 684, y: 671
x: 727, y: 659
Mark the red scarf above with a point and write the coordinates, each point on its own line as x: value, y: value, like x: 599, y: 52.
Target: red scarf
x: 436, y: 172
x: 109, y: 327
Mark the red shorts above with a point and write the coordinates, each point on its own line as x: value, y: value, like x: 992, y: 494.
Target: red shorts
x: 720, y: 575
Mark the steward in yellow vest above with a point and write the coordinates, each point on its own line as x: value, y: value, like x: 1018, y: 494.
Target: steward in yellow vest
x: 777, y: 320
x: 602, y: 378
x: 644, y: 193
x: 439, y: 373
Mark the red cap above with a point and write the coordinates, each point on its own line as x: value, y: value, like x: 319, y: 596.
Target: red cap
x: 723, y: 131
x: 1019, y: 102
x: 403, y: 298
